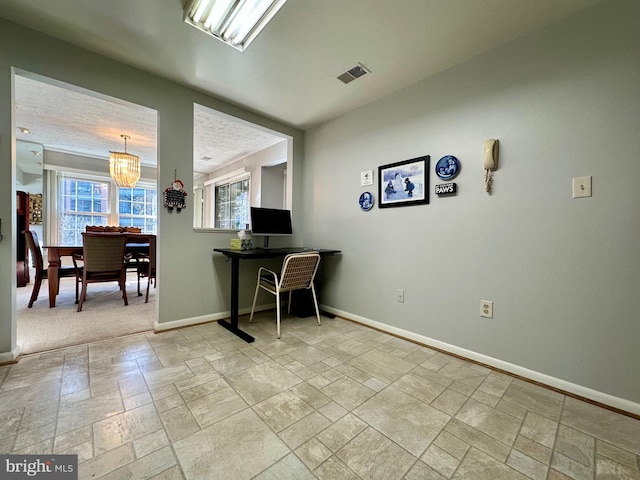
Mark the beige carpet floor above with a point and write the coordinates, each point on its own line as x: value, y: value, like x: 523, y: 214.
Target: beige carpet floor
x: 103, y: 315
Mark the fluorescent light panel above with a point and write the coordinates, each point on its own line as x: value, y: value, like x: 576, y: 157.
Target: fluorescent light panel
x: 235, y: 22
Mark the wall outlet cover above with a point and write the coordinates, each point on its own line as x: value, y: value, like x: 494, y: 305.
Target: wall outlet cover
x: 581, y: 187
x: 486, y: 308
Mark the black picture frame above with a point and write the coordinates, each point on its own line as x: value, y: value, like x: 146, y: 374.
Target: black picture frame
x: 404, y: 183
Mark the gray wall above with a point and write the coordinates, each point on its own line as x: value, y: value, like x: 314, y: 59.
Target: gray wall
x: 273, y: 186
x: 193, y: 284
x: 563, y: 273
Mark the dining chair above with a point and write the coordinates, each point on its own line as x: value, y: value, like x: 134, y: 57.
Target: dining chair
x: 298, y: 272
x: 103, y: 259
x: 147, y: 267
x: 37, y: 261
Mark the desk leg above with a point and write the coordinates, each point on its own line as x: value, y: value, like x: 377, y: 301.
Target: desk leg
x: 232, y: 325
x: 52, y: 277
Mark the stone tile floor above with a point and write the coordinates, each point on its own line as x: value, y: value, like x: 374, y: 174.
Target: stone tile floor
x: 335, y: 402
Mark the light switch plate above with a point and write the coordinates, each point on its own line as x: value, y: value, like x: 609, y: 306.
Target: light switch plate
x: 581, y: 187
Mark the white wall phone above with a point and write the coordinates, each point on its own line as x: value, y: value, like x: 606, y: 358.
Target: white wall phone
x: 490, y: 161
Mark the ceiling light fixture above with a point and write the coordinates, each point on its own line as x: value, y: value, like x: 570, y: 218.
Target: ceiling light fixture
x: 124, y: 167
x: 235, y: 22
x: 24, y: 130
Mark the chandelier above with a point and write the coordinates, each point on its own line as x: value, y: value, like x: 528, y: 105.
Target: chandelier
x: 124, y: 167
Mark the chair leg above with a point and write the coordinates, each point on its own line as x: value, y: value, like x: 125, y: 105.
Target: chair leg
x: 255, y: 297
x: 146, y: 298
x: 36, y: 291
x: 315, y: 303
x: 123, y: 287
x: 82, y: 296
x: 278, y: 312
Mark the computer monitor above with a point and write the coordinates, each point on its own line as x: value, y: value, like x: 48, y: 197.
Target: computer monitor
x: 270, y: 222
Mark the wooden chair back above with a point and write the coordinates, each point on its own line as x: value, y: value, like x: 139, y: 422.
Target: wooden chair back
x: 111, y: 229
x: 103, y: 253
x: 36, y: 252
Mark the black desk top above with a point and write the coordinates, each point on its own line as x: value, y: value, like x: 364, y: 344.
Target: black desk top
x: 272, y: 252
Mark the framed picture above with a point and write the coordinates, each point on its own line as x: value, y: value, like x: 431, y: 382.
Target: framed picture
x: 404, y: 183
x: 366, y: 178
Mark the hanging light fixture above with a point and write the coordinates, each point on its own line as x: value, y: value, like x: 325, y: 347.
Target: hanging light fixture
x: 124, y: 167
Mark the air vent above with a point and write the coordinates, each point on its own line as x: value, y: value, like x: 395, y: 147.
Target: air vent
x: 353, y: 73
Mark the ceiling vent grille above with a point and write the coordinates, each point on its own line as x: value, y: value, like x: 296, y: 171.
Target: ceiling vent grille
x: 355, y: 72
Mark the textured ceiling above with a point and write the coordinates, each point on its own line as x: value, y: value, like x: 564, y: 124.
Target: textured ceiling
x: 219, y: 140
x: 289, y: 72
x: 69, y: 119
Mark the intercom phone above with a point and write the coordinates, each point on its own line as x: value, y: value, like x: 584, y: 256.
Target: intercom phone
x: 491, y: 154
x: 490, y: 161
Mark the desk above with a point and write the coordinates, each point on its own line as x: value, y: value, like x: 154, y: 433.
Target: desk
x: 135, y: 244
x: 235, y: 256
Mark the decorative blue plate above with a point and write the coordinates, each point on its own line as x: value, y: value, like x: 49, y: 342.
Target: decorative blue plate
x: 447, y: 167
x: 366, y: 201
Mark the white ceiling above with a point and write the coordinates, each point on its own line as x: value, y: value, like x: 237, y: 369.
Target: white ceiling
x: 289, y: 72
x: 66, y: 118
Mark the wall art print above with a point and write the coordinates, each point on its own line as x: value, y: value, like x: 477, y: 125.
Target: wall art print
x: 404, y: 183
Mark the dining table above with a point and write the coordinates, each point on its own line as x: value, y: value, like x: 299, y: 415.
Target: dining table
x: 136, y: 243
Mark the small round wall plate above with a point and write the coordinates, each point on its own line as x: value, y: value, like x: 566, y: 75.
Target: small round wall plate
x: 366, y: 201
x: 447, y: 167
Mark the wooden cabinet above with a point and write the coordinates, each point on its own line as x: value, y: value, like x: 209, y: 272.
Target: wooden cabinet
x: 22, y: 251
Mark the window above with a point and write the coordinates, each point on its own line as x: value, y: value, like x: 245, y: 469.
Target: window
x: 90, y: 200
x: 137, y: 208
x: 81, y: 203
x: 232, y: 205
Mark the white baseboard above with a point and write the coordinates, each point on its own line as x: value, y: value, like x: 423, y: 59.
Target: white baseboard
x: 544, y: 379
x: 9, y: 357
x: 189, y: 322
x: 557, y: 383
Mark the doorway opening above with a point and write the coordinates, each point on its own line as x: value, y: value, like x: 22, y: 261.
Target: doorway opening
x: 64, y: 135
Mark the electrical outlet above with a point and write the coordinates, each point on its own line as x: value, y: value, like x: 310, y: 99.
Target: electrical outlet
x: 486, y: 308
x: 400, y: 295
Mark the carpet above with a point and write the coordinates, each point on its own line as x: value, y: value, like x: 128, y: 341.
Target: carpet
x: 103, y: 315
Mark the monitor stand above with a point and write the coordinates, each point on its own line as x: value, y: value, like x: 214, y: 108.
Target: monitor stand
x: 265, y: 245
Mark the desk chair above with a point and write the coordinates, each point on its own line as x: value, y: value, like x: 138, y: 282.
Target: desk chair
x: 103, y: 258
x: 298, y: 272
x: 38, y: 263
